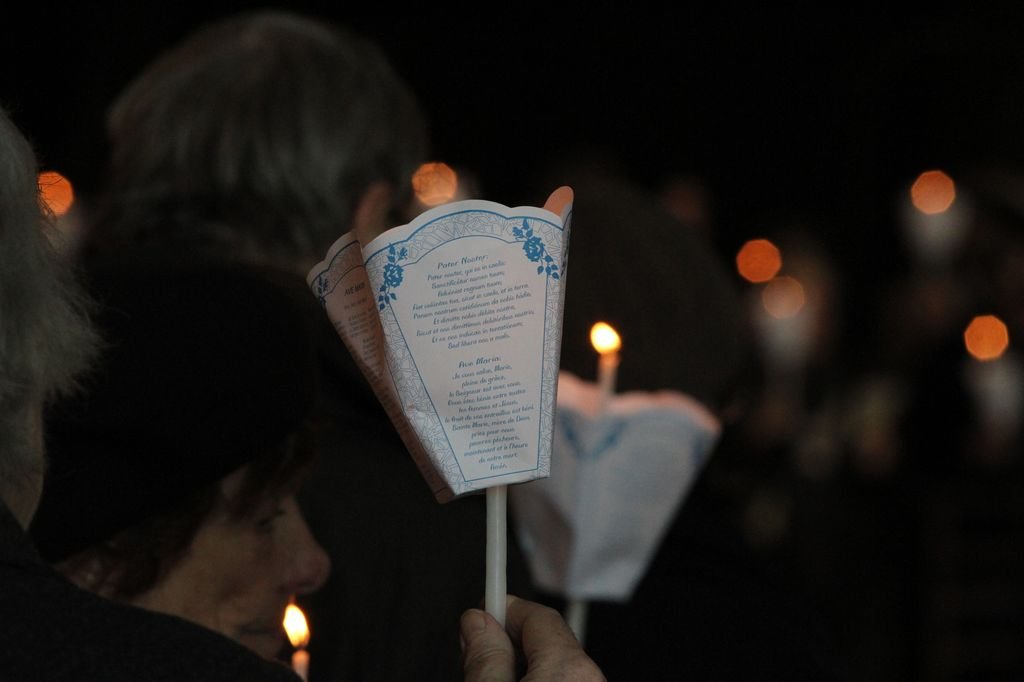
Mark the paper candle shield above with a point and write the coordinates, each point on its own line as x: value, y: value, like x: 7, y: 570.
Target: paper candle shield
x: 456, y: 320
x: 591, y: 530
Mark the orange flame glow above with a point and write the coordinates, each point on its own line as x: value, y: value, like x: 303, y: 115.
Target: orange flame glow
x: 56, y: 191
x: 986, y: 337
x: 758, y: 260
x: 295, y: 626
x: 434, y: 183
x: 604, y: 338
x: 783, y: 297
x: 933, y: 192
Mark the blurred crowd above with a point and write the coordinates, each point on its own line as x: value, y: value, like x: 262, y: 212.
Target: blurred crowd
x: 860, y: 516
x: 875, y: 460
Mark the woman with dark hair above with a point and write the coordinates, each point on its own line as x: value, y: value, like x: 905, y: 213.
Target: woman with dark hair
x: 173, y: 473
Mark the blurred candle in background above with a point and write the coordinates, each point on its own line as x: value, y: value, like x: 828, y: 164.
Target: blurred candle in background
x: 435, y: 183
x: 57, y: 192
x: 936, y: 218
x: 607, y: 343
x: 995, y: 380
x: 58, y: 195
x: 758, y: 260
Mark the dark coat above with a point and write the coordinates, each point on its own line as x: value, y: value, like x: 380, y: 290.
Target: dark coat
x: 51, y: 630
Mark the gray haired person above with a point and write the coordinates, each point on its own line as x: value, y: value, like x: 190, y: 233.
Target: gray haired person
x: 49, y: 629
x: 261, y: 137
x: 45, y: 337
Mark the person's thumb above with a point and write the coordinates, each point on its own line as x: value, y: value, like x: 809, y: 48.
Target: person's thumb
x: 487, y: 653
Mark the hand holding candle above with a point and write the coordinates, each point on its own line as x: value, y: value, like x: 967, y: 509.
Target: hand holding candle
x: 298, y: 634
x: 473, y: 402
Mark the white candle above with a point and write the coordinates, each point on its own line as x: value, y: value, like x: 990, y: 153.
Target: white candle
x: 576, y: 618
x: 497, y: 547
x: 300, y: 663
x: 606, y: 341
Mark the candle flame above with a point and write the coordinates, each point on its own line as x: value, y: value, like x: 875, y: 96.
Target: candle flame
x: 604, y: 338
x: 295, y: 626
x: 435, y: 183
x: 758, y: 260
x: 56, y: 191
x: 933, y: 192
x: 783, y: 297
x: 986, y: 337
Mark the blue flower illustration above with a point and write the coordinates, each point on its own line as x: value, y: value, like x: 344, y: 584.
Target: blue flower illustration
x: 321, y: 289
x: 535, y: 250
x: 392, y: 276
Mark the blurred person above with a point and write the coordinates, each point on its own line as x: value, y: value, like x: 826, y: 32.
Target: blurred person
x: 683, y: 329
x: 688, y: 199
x: 261, y: 139
x: 303, y: 131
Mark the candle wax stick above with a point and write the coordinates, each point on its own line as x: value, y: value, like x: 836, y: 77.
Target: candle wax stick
x: 300, y: 664
x: 607, y: 367
x: 576, y: 617
x: 497, y: 547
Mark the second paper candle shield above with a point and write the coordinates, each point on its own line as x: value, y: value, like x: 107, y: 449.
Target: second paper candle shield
x: 456, y: 320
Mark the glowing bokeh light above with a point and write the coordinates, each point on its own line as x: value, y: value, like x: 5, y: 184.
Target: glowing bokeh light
x: 783, y: 297
x: 56, y: 191
x: 933, y: 192
x: 604, y: 338
x: 434, y: 183
x: 758, y: 260
x: 295, y: 626
x: 986, y: 337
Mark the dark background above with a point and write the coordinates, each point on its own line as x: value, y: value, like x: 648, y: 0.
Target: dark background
x: 823, y: 110
x: 822, y: 117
